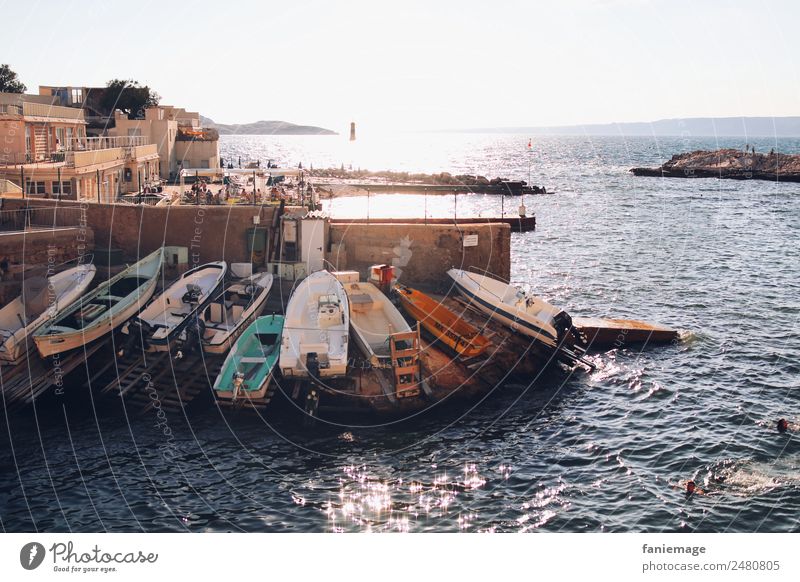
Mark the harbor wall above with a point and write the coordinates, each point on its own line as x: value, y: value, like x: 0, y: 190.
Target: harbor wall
x: 38, y: 247
x: 211, y: 233
x: 421, y: 252
x: 39, y: 250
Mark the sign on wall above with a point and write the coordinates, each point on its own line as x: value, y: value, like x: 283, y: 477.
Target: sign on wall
x: 471, y: 240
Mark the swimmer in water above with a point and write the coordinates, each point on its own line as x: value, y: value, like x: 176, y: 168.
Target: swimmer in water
x: 692, y: 489
x: 783, y: 425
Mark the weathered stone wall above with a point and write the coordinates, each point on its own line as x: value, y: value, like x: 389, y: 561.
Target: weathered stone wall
x: 423, y: 253
x: 36, y: 247
x: 211, y: 233
x: 39, y: 248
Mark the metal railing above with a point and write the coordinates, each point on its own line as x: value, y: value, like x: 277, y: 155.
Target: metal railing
x: 14, y: 159
x: 104, y: 143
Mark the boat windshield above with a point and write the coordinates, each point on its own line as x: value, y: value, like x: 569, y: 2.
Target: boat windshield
x: 328, y: 300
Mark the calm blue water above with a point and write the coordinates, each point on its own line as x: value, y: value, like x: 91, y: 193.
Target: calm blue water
x: 595, y: 452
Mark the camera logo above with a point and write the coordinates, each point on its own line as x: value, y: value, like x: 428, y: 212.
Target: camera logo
x: 31, y: 555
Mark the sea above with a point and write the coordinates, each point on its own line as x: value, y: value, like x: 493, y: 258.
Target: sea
x: 607, y: 450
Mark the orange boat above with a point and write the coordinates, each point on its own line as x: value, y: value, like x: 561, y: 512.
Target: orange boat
x: 445, y: 325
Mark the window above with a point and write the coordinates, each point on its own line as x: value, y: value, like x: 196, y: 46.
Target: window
x: 66, y: 188
x: 204, y: 163
x: 69, y: 138
x: 77, y: 96
x: 34, y: 187
x: 28, y: 139
x: 56, y: 189
x: 60, y: 138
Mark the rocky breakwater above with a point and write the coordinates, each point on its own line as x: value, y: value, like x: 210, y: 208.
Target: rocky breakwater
x: 728, y: 163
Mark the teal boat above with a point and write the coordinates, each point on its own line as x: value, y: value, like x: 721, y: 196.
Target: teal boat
x: 247, y: 371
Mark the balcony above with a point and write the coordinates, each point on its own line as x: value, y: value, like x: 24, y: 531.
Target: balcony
x: 83, y: 144
x: 85, y: 151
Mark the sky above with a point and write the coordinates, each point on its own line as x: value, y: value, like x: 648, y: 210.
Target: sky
x: 421, y: 65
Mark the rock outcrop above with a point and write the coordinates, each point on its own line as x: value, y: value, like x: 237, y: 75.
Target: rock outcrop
x: 728, y: 163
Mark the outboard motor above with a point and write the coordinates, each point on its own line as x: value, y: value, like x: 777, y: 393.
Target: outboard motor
x: 193, y: 338
x: 192, y: 295
x: 312, y: 365
x: 563, y: 324
x: 137, y: 329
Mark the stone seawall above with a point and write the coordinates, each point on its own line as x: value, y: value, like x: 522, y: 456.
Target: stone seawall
x: 31, y: 252
x: 211, y: 233
x: 421, y: 253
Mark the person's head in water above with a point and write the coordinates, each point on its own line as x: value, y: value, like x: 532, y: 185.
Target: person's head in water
x: 690, y: 487
x: 783, y: 425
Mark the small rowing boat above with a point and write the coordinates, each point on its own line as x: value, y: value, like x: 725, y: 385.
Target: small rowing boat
x: 444, y: 324
x: 229, y: 313
x: 39, y: 302
x: 247, y: 371
x: 103, y: 310
x: 315, y: 332
x: 162, y: 323
x: 374, y: 320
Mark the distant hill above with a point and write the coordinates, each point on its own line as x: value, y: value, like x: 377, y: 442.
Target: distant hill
x: 266, y: 128
x: 695, y: 126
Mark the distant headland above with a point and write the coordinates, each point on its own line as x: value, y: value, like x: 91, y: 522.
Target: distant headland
x: 733, y: 164
x: 266, y: 128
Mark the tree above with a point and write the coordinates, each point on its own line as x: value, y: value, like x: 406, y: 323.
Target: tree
x: 9, y: 82
x: 130, y: 97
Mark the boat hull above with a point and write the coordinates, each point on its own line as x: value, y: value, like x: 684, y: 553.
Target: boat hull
x: 304, y: 334
x: 442, y: 323
x: 518, y: 321
x: 160, y: 309
x: 373, y: 320
x: 15, y: 348
x: 248, y: 370
x: 50, y: 344
x: 223, y: 345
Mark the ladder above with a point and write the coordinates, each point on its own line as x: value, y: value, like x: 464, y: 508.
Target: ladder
x: 405, y: 350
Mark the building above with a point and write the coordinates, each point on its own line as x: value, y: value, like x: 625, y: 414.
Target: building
x: 90, y: 99
x: 45, y: 150
x: 182, y: 142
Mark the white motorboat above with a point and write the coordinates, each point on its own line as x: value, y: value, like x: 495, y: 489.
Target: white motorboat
x: 40, y: 301
x: 513, y: 307
x: 315, y: 332
x: 374, y: 320
x: 163, y: 322
x: 230, y: 312
x: 98, y: 313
